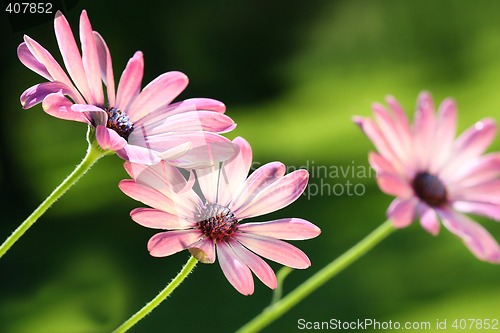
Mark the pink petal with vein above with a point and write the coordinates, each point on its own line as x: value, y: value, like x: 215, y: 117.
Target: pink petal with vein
x: 170, y: 242
x: 203, y: 250
x: 372, y: 131
x: 28, y: 60
x: 488, y: 192
x: 380, y: 164
x: 402, y: 212
x: 34, y: 95
x: 193, y: 121
x: 256, y: 183
x: 276, y: 196
x: 53, y: 68
x: 158, y: 93
x: 258, y: 266
x: 188, y: 105
x: 71, y: 56
x: 57, y: 105
x: 130, y: 82
x: 235, y: 271
x: 234, y: 172
x: 474, y: 236
x: 429, y: 221
x: 90, y: 59
x: 138, y: 154
x: 287, y: 228
x: 478, y: 208
x: 445, y: 132
x: 108, y: 139
x: 158, y: 219
x: 469, y: 145
x: 481, y: 170
x: 424, y: 129
x: 275, y: 250
x: 394, y: 185
x: 106, y: 67
x: 147, y: 196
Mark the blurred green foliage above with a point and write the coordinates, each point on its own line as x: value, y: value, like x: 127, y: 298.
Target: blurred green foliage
x: 292, y: 74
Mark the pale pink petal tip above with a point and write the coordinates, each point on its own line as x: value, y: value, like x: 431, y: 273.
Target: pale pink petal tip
x: 402, y: 212
x: 358, y: 120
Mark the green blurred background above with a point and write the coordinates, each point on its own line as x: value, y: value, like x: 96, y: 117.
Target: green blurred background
x: 292, y: 73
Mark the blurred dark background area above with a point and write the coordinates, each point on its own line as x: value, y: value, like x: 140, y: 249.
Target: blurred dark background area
x: 292, y: 74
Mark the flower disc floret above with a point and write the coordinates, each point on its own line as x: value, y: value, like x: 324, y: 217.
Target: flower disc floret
x: 217, y: 222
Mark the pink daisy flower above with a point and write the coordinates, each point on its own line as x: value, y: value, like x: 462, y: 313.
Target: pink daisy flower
x: 210, y: 226
x: 141, y: 126
x: 433, y: 176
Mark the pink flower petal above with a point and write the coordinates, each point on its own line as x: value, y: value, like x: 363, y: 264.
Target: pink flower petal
x: 488, y: 192
x: 394, y: 185
x: 108, y: 139
x: 130, y: 82
x: 479, y: 208
x: 147, y: 196
x: 287, y: 228
x: 400, y: 118
x: 469, y: 145
x: 157, y: 219
x: 276, y: 196
x: 188, y: 105
x: 28, y: 60
x: 445, y: 133
x: 192, y: 121
x: 158, y: 93
x: 424, y: 130
x: 175, y: 152
x: 390, y: 129
x: 53, y: 68
x: 169, y: 242
x: 208, y: 179
x: 481, y: 170
x: 258, y: 266
x: 234, y: 172
x: 138, y: 154
x: 380, y: 164
x: 378, y: 139
x: 235, y: 271
x: 275, y: 250
x: 34, y: 95
x: 256, y: 183
x: 167, y: 180
x: 90, y: 59
x: 106, y: 67
x: 203, y: 250
x: 71, y: 56
x: 206, y: 148
x: 402, y: 212
x: 96, y: 115
x: 57, y: 105
x: 474, y: 236
x: 429, y: 221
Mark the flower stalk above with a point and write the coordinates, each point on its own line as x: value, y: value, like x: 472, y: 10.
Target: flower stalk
x: 188, y: 267
x: 94, y: 153
x: 277, y: 309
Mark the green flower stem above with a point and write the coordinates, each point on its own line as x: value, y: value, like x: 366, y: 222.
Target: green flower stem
x: 94, y: 153
x: 188, y: 267
x: 277, y: 309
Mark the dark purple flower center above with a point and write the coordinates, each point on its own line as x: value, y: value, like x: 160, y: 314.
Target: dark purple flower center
x: 430, y: 189
x: 217, y: 222
x: 119, y: 122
